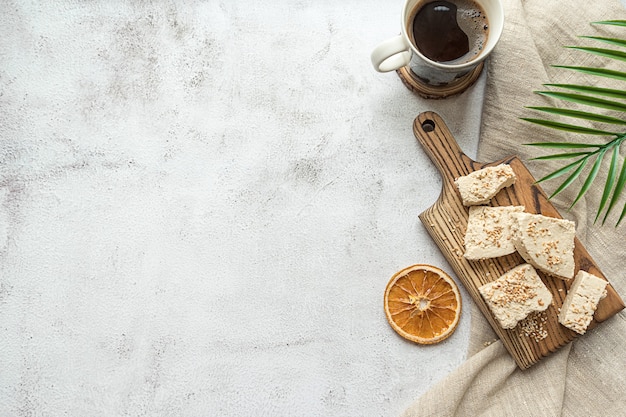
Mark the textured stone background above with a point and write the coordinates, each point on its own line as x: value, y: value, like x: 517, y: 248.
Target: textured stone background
x: 201, y: 203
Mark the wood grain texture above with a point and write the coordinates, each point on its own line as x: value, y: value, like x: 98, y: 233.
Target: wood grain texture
x: 413, y: 83
x: 446, y: 222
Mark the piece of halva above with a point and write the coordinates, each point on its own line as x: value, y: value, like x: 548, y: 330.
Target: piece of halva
x: 581, y: 301
x: 480, y: 186
x: 488, y: 233
x: 547, y: 243
x: 516, y: 294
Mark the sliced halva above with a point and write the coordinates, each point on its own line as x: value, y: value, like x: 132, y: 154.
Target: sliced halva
x: 516, y: 294
x: 581, y: 301
x: 489, y: 233
x: 547, y: 243
x: 480, y: 186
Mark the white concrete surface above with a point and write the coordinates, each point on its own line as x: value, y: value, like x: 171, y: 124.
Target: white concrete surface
x: 201, y: 203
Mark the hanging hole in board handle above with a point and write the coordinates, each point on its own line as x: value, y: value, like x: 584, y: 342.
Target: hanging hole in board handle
x: 428, y: 125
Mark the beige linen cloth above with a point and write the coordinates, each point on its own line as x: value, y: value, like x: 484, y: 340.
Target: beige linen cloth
x: 588, y: 376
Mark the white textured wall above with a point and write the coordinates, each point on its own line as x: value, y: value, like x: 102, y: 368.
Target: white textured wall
x: 201, y: 203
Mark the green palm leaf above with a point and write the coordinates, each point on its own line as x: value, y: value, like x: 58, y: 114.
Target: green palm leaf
x: 560, y: 156
x: 607, y: 92
x: 611, y: 22
x: 586, y: 100
x: 609, y: 53
x: 611, y: 41
x: 601, y: 72
x: 562, y: 171
x: 571, y: 178
x: 601, y: 99
x: 617, y: 192
x: 592, y: 176
x: 610, y: 181
x: 568, y: 127
x: 580, y: 115
x: 564, y: 145
x: 621, y: 217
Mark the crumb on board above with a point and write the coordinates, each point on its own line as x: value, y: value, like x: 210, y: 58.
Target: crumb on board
x: 489, y: 342
x: 532, y: 326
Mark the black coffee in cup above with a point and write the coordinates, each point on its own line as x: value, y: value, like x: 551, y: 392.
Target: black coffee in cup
x: 450, y: 31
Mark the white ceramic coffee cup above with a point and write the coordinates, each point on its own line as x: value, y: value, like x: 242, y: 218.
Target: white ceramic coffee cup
x: 399, y: 52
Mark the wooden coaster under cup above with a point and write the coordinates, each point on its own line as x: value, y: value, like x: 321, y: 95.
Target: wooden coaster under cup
x: 437, y: 92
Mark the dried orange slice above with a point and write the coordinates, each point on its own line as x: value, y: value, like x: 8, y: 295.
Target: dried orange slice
x: 423, y: 304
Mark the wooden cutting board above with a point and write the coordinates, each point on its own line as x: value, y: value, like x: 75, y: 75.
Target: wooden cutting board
x: 446, y: 222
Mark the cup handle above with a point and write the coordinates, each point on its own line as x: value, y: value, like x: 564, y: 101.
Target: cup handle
x: 391, y: 55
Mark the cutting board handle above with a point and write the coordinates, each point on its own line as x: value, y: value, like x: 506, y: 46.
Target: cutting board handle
x: 441, y: 147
